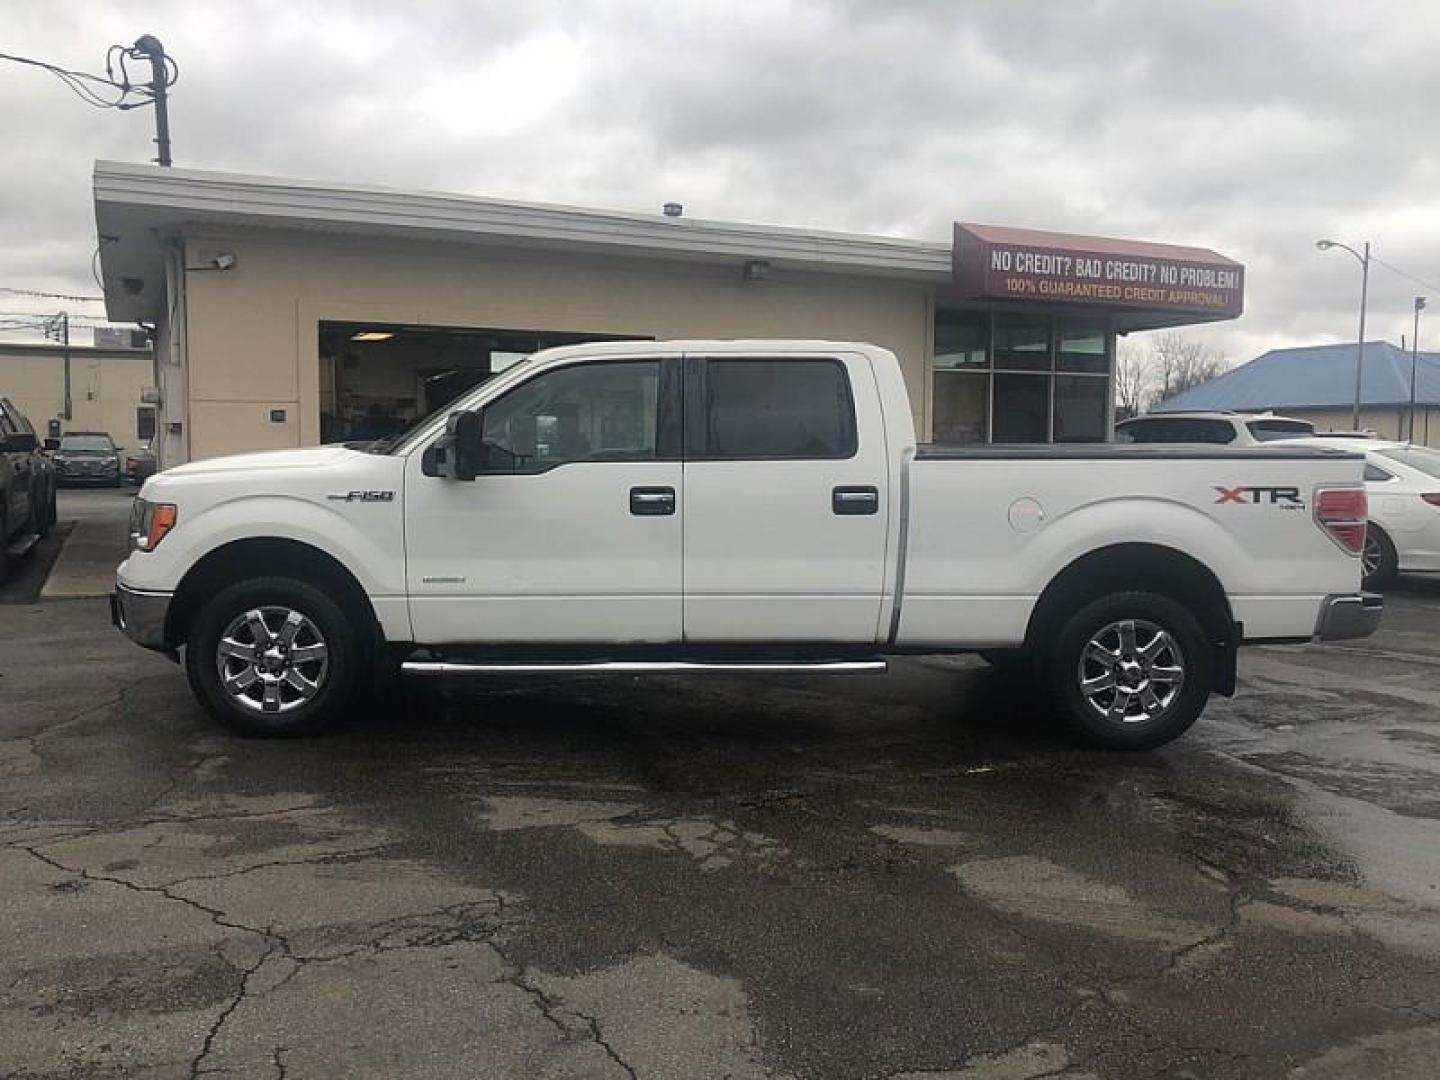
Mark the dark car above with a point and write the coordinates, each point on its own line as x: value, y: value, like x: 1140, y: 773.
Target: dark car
x: 27, y: 486
x: 140, y: 464
x: 87, y: 457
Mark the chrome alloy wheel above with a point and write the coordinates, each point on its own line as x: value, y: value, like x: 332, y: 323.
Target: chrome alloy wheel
x: 1131, y: 672
x: 1372, y: 556
x: 272, y: 659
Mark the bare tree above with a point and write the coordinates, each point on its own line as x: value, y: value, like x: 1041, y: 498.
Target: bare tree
x: 1179, y: 363
x: 1132, y: 381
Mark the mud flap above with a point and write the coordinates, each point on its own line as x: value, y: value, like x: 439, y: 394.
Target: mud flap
x: 1226, y: 665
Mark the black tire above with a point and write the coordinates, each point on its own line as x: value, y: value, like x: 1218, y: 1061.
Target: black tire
x: 1105, y: 719
x: 40, y: 514
x: 1380, y: 561
x: 336, y: 680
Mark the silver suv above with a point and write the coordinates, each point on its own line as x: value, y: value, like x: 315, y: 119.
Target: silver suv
x: 1217, y: 428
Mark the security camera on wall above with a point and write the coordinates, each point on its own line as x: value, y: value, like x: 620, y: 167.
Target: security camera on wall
x: 223, y: 261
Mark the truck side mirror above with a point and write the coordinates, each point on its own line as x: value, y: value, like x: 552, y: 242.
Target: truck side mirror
x: 464, y: 430
x: 460, y: 452
x: 20, y: 442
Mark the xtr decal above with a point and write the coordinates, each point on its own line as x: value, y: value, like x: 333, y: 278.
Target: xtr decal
x: 1287, y: 498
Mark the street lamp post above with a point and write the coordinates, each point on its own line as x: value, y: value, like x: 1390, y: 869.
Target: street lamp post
x: 1414, y: 360
x: 1364, y: 260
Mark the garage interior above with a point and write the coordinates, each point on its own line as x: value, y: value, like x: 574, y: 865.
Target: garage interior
x: 378, y: 378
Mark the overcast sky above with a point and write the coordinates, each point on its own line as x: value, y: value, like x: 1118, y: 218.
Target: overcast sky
x: 1249, y: 127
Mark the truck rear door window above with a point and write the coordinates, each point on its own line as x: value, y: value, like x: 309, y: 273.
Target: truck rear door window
x: 778, y: 409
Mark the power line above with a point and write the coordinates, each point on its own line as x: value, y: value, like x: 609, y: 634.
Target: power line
x: 35, y: 317
x: 76, y: 81
x: 105, y: 92
x: 1407, y: 276
x: 50, y: 295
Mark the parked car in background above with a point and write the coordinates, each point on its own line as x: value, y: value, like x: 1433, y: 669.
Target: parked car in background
x: 27, y: 486
x: 87, y: 457
x: 140, y: 463
x: 1217, y: 428
x: 1403, y: 485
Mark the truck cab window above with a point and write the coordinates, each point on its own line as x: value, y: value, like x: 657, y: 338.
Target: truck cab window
x: 778, y: 409
x: 586, y: 412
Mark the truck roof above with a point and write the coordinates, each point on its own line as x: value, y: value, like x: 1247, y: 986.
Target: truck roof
x: 745, y: 346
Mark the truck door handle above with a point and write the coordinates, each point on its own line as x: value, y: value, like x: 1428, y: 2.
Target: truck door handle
x: 855, y: 501
x: 652, y: 501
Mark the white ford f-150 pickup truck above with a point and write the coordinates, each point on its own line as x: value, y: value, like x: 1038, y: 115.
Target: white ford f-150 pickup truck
x: 735, y: 506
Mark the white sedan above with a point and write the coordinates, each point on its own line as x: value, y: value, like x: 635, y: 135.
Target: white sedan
x: 1403, y: 485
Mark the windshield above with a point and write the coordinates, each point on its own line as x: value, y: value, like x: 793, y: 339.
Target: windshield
x: 401, y: 443
x: 390, y: 442
x: 1417, y: 457
x: 87, y: 444
x: 1270, y: 430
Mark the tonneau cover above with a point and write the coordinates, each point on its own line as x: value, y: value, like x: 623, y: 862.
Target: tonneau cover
x: 1123, y: 451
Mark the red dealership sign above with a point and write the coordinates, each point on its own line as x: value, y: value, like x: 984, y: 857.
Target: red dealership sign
x: 992, y: 263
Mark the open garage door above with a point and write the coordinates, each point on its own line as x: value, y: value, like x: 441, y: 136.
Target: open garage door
x: 378, y: 378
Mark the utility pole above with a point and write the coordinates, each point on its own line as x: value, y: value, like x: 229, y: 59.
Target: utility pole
x: 1414, y: 360
x: 1364, y: 261
x: 58, y: 329
x: 149, y: 46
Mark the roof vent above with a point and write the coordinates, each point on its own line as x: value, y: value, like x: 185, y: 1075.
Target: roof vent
x: 673, y: 209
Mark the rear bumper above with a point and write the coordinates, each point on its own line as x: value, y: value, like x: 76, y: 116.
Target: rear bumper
x: 1353, y: 615
x: 140, y: 616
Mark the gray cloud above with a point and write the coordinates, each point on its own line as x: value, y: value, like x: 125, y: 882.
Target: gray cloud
x: 1251, y: 128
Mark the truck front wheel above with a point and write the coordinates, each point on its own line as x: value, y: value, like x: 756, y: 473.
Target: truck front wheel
x: 1131, y: 671
x: 273, y: 656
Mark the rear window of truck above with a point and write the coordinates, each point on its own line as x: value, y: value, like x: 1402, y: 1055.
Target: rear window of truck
x: 778, y: 409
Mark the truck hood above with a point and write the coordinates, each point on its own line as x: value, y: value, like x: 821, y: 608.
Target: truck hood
x: 311, y: 457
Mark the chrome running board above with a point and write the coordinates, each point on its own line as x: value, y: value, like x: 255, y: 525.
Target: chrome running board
x: 468, y: 667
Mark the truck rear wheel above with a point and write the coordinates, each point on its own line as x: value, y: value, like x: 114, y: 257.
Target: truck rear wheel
x: 1379, y: 562
x: 1131, y: 671
x: 273, y: 656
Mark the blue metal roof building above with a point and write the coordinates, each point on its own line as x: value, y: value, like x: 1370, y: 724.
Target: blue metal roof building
x: 1318, y: 377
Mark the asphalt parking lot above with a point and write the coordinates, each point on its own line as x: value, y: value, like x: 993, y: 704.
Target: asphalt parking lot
x: 881, y: 876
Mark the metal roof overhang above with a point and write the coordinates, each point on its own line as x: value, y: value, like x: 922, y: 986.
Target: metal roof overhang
x: 136, y: 206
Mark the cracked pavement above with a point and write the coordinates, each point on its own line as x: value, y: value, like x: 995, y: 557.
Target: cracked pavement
x: 904, y: 876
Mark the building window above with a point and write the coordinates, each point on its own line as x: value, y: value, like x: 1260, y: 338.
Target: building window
x: 960, y: 404
x: 1082, y: 408
x: 962, y: 343
x: 1022, y: 343
x: 1021, y: 409
x: 1007, y: 377
x: 961, y: 408
x: 1081, y: 347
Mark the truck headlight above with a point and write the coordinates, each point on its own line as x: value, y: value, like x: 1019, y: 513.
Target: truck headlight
x: 150, y: 523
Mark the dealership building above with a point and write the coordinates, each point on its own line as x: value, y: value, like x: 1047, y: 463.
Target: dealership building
x: 293, y: 312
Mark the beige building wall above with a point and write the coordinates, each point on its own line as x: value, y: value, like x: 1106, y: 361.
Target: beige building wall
x: 1388, y: 423
x: 105, y: 387
x: 252, y: 332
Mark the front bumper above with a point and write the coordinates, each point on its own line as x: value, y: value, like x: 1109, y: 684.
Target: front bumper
x: 141, y: 615
x: 1353, y: 615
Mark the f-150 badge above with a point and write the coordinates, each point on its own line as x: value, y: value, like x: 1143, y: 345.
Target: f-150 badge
x: 364, y: 496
